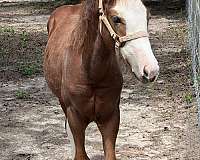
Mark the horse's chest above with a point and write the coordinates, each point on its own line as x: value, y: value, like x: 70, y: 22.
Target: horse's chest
x: 91, y: 102
x: 90, y: 94
x: 81, y: 98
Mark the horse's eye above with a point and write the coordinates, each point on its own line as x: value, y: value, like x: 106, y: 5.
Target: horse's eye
x: 116, y: 19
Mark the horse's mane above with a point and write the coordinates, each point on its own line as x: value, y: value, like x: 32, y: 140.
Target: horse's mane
x: 86, y: 29
x: 84, y: 35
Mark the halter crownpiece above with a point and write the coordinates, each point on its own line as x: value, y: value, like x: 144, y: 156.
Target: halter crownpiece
x: 117, y: 38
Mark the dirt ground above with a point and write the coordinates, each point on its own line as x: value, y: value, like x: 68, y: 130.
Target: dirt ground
x: 158, y: 121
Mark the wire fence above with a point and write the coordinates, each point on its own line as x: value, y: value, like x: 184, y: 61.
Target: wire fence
x: 194, y: 45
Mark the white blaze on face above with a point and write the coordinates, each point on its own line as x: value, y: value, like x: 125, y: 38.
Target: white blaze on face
x: 137, y: 52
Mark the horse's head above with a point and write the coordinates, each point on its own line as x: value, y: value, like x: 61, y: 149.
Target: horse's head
x: 126, y: 21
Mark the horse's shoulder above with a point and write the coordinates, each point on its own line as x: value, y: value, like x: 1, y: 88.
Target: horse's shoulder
x: 62, y: 14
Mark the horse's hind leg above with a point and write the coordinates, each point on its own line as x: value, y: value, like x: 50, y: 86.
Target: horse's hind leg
x: 77, y: 126
x: 109, y: 129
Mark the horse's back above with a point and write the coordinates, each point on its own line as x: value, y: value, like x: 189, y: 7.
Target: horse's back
x: 60, y: 26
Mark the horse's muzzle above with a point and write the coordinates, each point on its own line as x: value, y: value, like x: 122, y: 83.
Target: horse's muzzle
x: 150, y: 74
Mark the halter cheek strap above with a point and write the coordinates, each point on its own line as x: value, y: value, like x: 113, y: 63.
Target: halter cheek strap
x: 117, y: 38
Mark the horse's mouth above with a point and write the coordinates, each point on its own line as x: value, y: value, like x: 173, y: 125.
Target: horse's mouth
x: 144, y: 79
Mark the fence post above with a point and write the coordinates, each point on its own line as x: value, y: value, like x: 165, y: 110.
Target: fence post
x: 193, y: 7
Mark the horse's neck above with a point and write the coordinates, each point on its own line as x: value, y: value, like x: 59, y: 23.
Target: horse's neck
x: 97, y: 62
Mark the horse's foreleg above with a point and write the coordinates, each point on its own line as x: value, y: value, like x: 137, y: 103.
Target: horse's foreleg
x: 77, y: 126
x: 70, y: 136
x: 109, y: 129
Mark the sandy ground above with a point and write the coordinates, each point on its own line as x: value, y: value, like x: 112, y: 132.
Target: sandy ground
x: 158, y: 121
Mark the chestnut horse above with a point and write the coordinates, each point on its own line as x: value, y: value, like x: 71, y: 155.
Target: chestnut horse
x: 81, y: 65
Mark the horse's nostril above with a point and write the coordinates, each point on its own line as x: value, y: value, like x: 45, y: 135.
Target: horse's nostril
x: 146, y: 75
x: 145, y: 79
x: 153, y: 79
x: 149, y: 76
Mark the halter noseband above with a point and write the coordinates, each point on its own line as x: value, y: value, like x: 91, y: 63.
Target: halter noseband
x: 117, y: 38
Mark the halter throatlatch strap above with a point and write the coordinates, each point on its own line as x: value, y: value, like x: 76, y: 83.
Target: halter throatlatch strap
x: 117, y: 38
x: 101, y: 12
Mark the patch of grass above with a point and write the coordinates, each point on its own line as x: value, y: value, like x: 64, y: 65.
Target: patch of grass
x: 21, y: 94
x: 28, y: 69
x: 38, y: 52
x: 188, y: 98
x: 7, y: 30
x: 24, y: 39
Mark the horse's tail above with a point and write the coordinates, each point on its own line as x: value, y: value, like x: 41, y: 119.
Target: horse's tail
x: 70, y: 136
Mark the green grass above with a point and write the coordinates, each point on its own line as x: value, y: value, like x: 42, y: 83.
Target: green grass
x: 7, y: 30
x: 24, y: 39
x: 21, y: 94
x: 28, y: 69
x: 188, y: 98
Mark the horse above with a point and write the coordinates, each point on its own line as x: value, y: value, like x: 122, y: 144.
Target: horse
x: 81, y: 64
